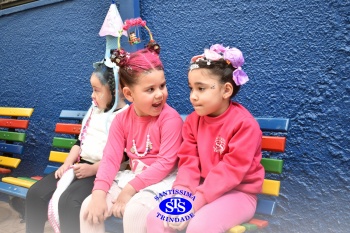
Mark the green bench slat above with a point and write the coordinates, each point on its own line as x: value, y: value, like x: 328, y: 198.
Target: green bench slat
x: 72, y: 115
x: 249, y: 226
x: 11, y: 148
x: 12, y: 136
x: 66, y: 143
x: 272, y: 165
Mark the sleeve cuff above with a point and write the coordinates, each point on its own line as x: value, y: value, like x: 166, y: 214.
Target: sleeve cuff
x: 199, y: 201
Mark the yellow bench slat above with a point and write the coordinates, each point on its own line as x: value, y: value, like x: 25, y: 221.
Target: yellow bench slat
x: 18, y: 112
x: 18, y: 182
x: 57, y: 156
x: 237, y: 229
x: 9, y: 162
x: 271, y: 187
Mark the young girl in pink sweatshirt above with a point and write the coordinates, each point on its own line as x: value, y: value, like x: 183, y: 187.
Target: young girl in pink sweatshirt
x: 149, y: 132
x: 221, y: 149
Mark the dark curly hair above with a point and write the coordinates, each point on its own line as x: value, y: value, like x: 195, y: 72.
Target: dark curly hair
x: 221, y: 69
x: 106, y: 77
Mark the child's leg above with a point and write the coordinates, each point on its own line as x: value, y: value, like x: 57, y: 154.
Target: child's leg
x: 156, y: 225
x: 70, y: 203
x: 37, y: 201
x: 86, y: 227
x: 220, y: 215
x: 136, y: 211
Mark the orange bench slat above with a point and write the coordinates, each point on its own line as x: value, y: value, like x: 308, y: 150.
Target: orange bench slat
x: 68, y: 128
x: 273, y: 143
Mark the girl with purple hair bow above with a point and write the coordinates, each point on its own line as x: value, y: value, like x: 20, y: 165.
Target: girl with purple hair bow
x: 219, y: 158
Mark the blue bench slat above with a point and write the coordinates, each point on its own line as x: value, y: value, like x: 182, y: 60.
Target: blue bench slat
x: 49, y: 169
x: 265, y: 207
x: 268, y: 124
x: 11, y: 148
x: 273, y: 124
x: 13, y: 190
x: 72, y: 115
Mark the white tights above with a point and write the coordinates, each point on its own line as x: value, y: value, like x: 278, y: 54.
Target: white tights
x: 135, y: 215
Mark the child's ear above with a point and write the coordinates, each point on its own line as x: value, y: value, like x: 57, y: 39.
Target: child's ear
x: 128, y: 94
x: 228, y: 90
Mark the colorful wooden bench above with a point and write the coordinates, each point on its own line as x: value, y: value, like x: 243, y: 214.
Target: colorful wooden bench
x: 66, y: 136
x: 13, y: 125
x: 273, y: 142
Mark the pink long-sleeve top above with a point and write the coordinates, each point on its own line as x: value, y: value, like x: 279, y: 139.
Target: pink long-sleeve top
x: 219, y: 154
x: 165, y: 135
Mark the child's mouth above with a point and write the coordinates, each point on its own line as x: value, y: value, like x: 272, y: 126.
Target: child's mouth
x: 95, y: 103
x: 156, y: 105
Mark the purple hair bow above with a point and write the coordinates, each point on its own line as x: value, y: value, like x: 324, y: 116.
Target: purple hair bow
x: 232, y: 55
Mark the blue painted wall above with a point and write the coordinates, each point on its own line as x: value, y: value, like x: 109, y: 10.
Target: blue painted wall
x: 297, y: 57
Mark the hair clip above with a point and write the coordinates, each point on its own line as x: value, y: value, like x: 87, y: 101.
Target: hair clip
x: 194, y: 66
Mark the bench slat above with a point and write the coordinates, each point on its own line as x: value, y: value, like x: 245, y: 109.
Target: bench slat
x: 18, y: 181
x: 13, y: 190
x: 17, y: 112
x: 72, y: 115
x: 266, y: 124
x: 271, y: 187
x: 265, y: 206
x: 272, y: 165
x: 273, y: 143
x: 66, y: 143
x: 273, y: 124
x: 68, y: 128
x: 12, y: 136
x: 11, y: 148
x: 57, y: 156
x: 237, y: 229
x: 49, y: 169
x: 9, y: 162
x: 14, y: 124
x: 259, y: 223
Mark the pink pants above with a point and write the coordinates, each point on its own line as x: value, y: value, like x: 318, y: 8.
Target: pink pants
x: 231, y: 209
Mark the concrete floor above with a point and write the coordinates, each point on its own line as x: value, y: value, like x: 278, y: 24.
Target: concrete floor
x: 10, y: 222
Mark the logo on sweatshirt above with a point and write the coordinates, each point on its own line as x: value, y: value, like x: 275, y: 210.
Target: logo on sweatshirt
x: 219, y: 145
x: 175, y: 206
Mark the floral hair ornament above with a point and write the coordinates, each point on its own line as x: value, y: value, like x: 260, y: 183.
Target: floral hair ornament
x: 132, y: 26
x: 232, y: 56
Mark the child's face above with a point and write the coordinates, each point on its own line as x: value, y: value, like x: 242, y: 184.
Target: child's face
x: 149, y: 94
x: 207, y: 93
x: 101, y: 95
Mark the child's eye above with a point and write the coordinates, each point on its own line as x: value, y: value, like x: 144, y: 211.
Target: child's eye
x: 201, y: 88
x: 150, y: 89
x: 162, y: 86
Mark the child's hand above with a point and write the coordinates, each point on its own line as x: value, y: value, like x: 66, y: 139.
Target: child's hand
x: 97, y: 210
x: 83, y: 170
x: 178, y: 226
x: 59, y: 172
x: 119, y: 204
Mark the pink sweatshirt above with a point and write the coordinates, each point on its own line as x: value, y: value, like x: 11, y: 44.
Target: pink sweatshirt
x: 224, y: 151
x: 165, y: 135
